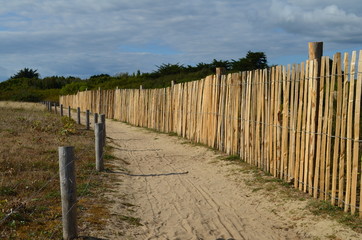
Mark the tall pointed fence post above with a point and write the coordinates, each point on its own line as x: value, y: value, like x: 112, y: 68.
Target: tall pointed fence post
x: 103, y: 120
x: 87, y: 119
x: 99, y: 132
x: 315, y: 51
x: 78, y: 115
x: 68, y: 192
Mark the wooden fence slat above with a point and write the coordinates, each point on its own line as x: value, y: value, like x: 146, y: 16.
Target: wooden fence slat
x: 300, y: 79
x: 308, y: 131
x: 343, y: 157
x: 337, y: 71
x: 303, y: 131
x: 312, y: 136
x: 319, y: 149
x: 356, y: 140
x: 285, y: 124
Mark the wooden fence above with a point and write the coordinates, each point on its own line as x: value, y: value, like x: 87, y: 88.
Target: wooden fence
x: 301, y: 122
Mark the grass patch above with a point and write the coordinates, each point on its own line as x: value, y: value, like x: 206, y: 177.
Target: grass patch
x: 324, y: 208
x: 29, y: 191
x: 232, y: 158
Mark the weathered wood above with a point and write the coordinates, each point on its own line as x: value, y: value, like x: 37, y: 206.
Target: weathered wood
x: 68, y: 192
x: 319, y: 147
x: 99, y: 144
x: 324, y: 133
x: 343, y: 157
x: 337, y: 71
x: 87, y: 123
x: 104, y: 134
x: 315, y: 51
x: 356, y: 126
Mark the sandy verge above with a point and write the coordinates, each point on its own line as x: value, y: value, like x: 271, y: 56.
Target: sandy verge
x: 182, y: 191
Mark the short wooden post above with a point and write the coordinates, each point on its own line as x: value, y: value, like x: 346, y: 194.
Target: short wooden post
x: 61, y: 110
x: 55, y: 108
x: 99, y: 132
x: 68, y: 192
x: 87, y: 119
x: 95, y: 118
x: 78, y: 115
x: 103, y: 120
x: 49, y: 106
x: 69, y: 112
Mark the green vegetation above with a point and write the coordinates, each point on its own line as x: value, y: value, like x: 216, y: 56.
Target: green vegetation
x: 26, y: 85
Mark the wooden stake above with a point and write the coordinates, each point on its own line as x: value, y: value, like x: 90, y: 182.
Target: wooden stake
x: 99, y: 136
x: 68, y: 192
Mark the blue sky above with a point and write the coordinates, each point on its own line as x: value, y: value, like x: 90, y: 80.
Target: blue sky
x: 87, y: 37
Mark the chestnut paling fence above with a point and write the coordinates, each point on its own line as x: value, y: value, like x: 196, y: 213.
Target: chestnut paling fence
x: 299, y: 122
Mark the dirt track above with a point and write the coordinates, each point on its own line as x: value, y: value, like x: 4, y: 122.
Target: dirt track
x: 182, y: 191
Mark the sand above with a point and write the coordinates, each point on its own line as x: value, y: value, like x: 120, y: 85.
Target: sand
x: 184, y: 191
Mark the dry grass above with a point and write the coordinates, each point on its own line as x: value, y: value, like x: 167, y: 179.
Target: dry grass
x: 30, y: 206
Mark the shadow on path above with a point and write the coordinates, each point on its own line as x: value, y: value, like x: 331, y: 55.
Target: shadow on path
x: 149, y: 175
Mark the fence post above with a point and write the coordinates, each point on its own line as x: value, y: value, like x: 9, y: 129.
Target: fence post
x: 172, y: 83
x: 103, y: 120
x: 87, y: 119
x: 55, y: 108
x: 69, y: 112
x: 95, y: 118
x: 61, y: 110
x: 78, y: 115
x: 68, y: 192
x: 99, y: 132
x: 315, y: 51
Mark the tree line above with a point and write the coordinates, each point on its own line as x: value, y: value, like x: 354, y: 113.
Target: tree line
x: 27, y: 85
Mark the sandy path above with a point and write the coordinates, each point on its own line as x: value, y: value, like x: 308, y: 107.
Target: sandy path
x: 183, y: 191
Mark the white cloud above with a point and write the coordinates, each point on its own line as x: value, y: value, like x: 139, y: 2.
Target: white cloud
x: 80, y: 37
x: 329, y: 22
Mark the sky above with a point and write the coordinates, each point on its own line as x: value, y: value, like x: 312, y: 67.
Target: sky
x: 82, y: 38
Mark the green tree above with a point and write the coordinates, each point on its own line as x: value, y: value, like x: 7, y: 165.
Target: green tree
x: 252, y: 61
x: 26, y: 73
x: 167, y: 69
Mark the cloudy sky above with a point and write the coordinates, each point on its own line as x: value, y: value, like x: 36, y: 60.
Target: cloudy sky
x: 87, y: 37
